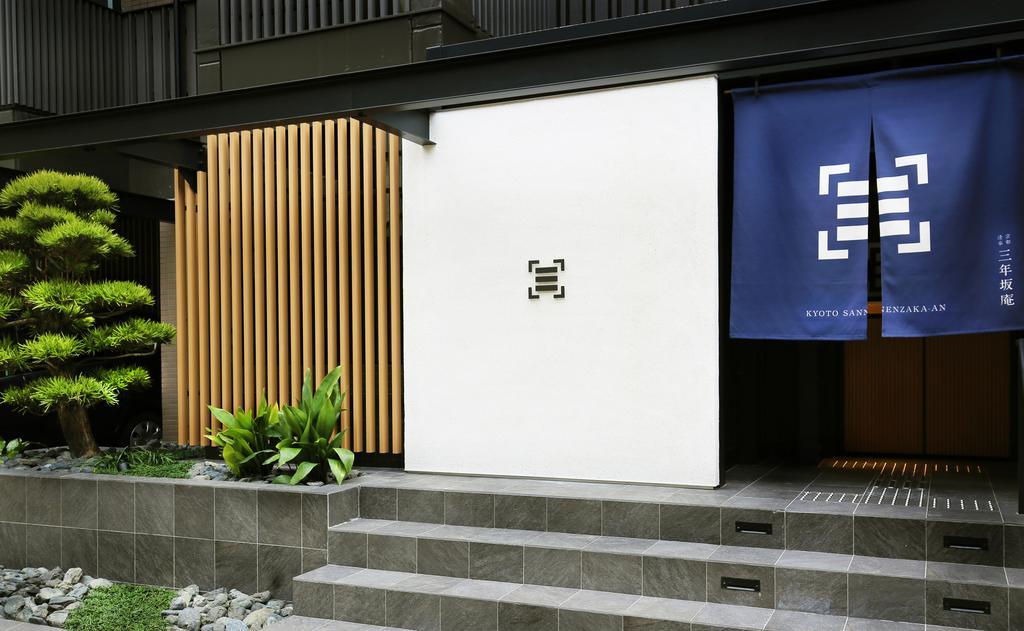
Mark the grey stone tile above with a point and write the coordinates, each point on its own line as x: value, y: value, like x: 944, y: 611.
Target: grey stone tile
x: 620, y: 573
x: 539, y: 596
x: 406, y: 610
x: 463, y: 614
x: 521, y: 512
x: 717, y: 593
x: 347, y: 548
x: 154, y: 560
x: 682, y: 550
x: 496, y: 562
x: 330, y: 574
x: 342, y: 506
x: 469, y: 509
x: 314, y: 521
x: 734, y: 520
x: 681, y: 579
x: 678, y: 611
x: 824, y: 561
x: 397, y: 554
x: 961, y: 573
x: 13, y: 498
x: 620, y: 545
x: 945, y: 543
x: 443, y: 558
x: 887, y: 598
x: 716, y: 616
x: 154, y: 508
x: 519, y: 617
x: 375, y: 578
x: 553, y: 566
x: 562, y: 540
x: 235, y: 515
x: 421, y: 506
x: 749, y: 556
x: 938, y: 591
x: 480, y: 590
x: 576, y: 516
x: 819, y: 532
x: 588, y: 621
x: 364, y: 605
x: 1013, y: 545
x: 313, y: 558
x: 78, y: 503
x: 43, y: 546
x: 79, y: 548
x: 802, y: 621
x: 864, y: 624
x: 811, y: 591
x: 117, y: 561
x: 378, y: 503
x: 43, y: 500
x: 194, y: 563
x: 116, y: 500
x: 12, y: 545
x: 313, y: 599
x: 898, y: 568
x: 280, y: 518
x: 193, y: 511
x: 426, y: 584
x: 277, y: 566
x: 1016, y: 608
x: 639, y: 520
x: 697, y: 524
x: 236, y: 565
x: 889, y: 537
x: 632, y: 623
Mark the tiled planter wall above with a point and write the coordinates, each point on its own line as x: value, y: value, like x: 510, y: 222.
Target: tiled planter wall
x: 251, y: 537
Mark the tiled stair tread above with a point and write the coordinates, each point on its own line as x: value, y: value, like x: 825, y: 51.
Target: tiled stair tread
x: 768, y: 557
x: 305, y: 623
x: 577, y: 600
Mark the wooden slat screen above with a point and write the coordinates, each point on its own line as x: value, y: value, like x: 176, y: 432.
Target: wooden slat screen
x: 289, y: 257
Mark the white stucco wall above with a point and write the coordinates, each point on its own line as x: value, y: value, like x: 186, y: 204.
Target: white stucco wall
x: 618, y: 380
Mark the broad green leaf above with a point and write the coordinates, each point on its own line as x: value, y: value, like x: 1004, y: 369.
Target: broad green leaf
x: 302, y: 471
x: 288, y: 454
x: 347, y: 458
x: 337, y: 470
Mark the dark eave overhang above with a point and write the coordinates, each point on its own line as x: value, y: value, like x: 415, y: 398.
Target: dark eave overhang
x: 737, y: 37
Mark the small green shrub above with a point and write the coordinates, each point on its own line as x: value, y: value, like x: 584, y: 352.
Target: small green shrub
x: 148, y: 463
x: 247, y: 439
x: 311, y: 436
x: 121, y: 608
x: 11, y: 448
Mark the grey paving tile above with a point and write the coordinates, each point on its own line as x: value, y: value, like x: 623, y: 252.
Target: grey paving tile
x: 553, y: 566
x: 664, y: 609
x: 588, y: 621
x: 600, y: 602
x: 279, y: 519
x: 13, y: 544
x: 798, y: 621
x: 887, y: 598
x: 469, y: 509
x: 420, y: 506
x: 496, y: 562
x: 681, y: 550
x: 697, y: 524
x: 193, y: 511
x: 520, y: 512
x: 562, y: 540
x: 347, y: 548
x: 740, y: 554
x: 78, y: 503
x: 329, y: 574
x: 361, y: 524
x: 957, y: 542
x: 381, y: 579
x: 364, y: 605
x: 378, y: 503
x: 277, y: 566
x: 236, y: 564
x: 682, y: 579
x: 235, y: 515
x: 313, y: 558
x: 997, y: 619
x: 43, y: 546
x: 811, y: 591
x: 154, y: 508
x: 741, y: 527
x: 722, y: 589
x: 463, y: 614
x: 385, y: 552
x: 343, y: 506
x: 576, y: 516
x: 824, y: 561
x: 889, y: 537
x: 193, y: 563
x: 524, y: 617
x: 900, y: 568
x: 620, y: 573
x: 426, y: 584
x: 716, y: 616
x: 620, y: 545
x: 313, y: 599
x: 408, y: 610
x: 154, y: 560
x: 43, y: 500
x: 481, y: 590
x: 819, y: 532
x: 639, y: 520
x: 961, y: 573
x: 13, y: 498
x: 443, y: 558
x: 117, y: 563
x: 116, y: 505
x: 539, y: 595
x: 864, y: 624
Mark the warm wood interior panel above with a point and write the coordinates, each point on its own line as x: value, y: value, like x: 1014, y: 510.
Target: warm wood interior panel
x: 289, y: 257
x: 883, y: 389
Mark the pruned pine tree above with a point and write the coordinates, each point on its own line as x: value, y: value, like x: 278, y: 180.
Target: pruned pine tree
x: 71, y: 334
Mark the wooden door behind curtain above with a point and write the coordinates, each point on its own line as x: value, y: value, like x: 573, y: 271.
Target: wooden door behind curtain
x: 288, y: 254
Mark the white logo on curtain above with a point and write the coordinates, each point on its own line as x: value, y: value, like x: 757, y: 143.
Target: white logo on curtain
x: 893, y: 210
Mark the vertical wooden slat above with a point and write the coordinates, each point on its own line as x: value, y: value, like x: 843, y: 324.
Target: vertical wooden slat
x: 306, y: 237
x: 256, y: 215
x: 355, y: 250
x: 192, y: 316
x: 380, y: 230
x: 181, y: 303
x: 203, y: 289
x: 331, y: 245
x: 237, y: 351
x: 294, y: 261
x: 246, y: 254
x: 281, y: 169
x: 369, y: 322
x: 395, y: 268
x: 213, y: 256
x: 270, y: 257
x: 225, y: 272
x: 344, y: 277
x: 318, y: 341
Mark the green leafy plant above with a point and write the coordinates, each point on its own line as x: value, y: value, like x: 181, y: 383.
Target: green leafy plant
x: 312, y: 439
x: 12, y: 448
x: 247, y: 439
x: 150, y: 463
x: 121, y: 607
x: 65, y: 330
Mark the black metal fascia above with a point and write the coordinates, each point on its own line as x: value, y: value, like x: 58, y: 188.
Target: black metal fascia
x: 793, y: 31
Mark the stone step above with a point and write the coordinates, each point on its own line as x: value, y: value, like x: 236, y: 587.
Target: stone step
x: 305, y: 623
x: 792, y: 580
x: 434, y: 603
x: 880, y: 523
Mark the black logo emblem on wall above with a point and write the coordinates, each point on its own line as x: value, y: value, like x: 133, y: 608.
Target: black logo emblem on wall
x: 545, y: 279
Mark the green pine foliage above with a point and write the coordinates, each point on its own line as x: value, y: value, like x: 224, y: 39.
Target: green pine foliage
x: 74, y: 334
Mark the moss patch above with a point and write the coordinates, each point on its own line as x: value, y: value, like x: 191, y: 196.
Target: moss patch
x: 121, y: 608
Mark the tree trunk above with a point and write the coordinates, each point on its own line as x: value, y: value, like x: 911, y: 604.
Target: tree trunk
x: 77, y: 431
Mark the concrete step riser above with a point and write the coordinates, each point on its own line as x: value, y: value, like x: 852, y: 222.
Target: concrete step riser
x: 825, y: 584
x: 868, y: 534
